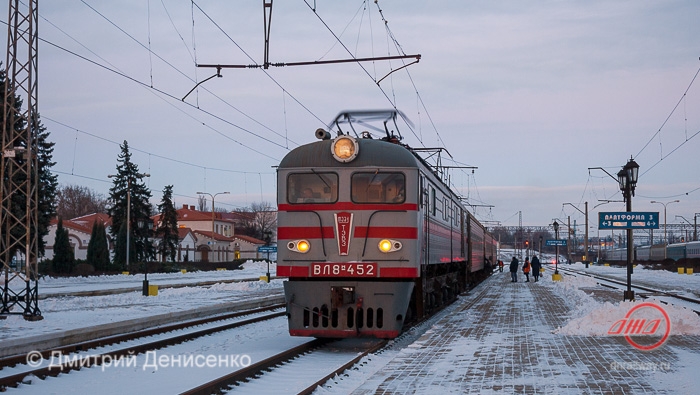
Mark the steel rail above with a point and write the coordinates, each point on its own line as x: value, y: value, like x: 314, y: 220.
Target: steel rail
x: 53, y: 370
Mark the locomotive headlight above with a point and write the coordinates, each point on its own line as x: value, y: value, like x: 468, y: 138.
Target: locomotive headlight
x: 302, y: 246
x: 389, y: 245
x: 344, y: 148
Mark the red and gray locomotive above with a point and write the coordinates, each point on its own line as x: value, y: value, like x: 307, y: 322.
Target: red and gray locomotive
x: 369, y: 235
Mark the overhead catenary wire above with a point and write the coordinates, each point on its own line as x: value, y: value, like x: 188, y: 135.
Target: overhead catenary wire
x: 189, y: 78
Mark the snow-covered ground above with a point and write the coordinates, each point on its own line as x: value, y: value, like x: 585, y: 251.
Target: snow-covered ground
x: 588, y: 317
x: 72, y: 312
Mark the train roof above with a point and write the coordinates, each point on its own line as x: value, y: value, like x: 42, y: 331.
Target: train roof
x: 371, y: 153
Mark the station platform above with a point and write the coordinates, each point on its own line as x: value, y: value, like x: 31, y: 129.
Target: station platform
x: 503, y: 337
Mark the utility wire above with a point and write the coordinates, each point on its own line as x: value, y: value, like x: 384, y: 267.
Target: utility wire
x: 134, y: 149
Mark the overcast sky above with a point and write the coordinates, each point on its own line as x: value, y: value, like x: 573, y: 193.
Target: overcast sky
x: 533, y: 93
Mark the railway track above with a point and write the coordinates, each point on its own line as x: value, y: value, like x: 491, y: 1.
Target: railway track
x: 315, y: 356
x: 74, y: 361
x: 311, y: 357
x: 648, y: 291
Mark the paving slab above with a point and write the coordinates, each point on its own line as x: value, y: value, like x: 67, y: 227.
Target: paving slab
x: 501, y: 339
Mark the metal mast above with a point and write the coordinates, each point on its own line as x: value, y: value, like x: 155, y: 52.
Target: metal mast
x: 19, y: 165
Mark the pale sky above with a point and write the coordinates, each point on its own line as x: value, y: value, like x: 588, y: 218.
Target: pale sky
x: 533, y: 93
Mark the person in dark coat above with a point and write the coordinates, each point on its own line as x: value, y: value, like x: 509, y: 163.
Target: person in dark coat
x: 535, y: 267
x: 514, y: 270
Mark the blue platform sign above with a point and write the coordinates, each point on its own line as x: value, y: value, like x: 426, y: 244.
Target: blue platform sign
x: 628, y: 220
x: 555, y: 242
x: 270, y: 249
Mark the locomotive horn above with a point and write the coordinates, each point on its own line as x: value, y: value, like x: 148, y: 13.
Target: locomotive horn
x: 322, y: 134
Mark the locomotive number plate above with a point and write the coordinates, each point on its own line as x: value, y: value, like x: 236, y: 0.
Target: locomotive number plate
x: 343, y: 270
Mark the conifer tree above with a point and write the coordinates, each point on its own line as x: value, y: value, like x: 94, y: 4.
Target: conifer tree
x: 129, y: 180
x: 63, y: 257
x: 47, y: 182
x: 167, y: 231
x: 98, y: 250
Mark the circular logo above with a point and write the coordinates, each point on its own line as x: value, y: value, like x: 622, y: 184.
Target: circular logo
x: 645, y: 327
x: 34, y: 359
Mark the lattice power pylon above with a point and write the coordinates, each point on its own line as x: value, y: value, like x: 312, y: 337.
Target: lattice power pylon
x: 19, y: 180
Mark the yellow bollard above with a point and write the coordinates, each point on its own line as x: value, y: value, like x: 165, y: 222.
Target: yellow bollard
x: 220, y: 269
x: 607, y: 264
x: 264, y: 278
x: 152, y: 290
x: 556, y: 277
x: 125, y: 273
x: 689, y: 270
x: 183, y: 271
x: 681, y: 270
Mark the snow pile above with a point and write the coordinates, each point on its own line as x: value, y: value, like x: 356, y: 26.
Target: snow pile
x: 592, y: 318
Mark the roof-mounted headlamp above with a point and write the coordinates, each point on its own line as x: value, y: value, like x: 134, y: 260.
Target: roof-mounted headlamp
x: 344, y: 148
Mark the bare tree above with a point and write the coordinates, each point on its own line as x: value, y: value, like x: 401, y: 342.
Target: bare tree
x: 202, y: 203
x: 74, y: 201
x: 245, y: 222
x: 265, y: 218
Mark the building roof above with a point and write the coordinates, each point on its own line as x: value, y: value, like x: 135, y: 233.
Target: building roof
x: 69, y: 224
x: 239, y: 216
x: 89, y: 219
x: 183, y: 232
x: 217, y: 237
x: 249, y: 239
x: 188, y: 213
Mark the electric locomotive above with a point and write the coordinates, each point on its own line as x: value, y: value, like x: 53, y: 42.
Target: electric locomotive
x: 368, y: 234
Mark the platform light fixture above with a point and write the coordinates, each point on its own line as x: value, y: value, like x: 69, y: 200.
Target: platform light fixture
x: 627, y: 177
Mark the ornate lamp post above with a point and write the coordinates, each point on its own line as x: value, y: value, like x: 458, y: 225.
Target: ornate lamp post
x: 268, y: 239
x: 627, y: 177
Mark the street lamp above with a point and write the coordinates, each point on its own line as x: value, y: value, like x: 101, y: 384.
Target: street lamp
x: 212, y: 207
x: 212, y: 213
x: 128, y: 222
x: 627, y: 178
x: 665, y: 204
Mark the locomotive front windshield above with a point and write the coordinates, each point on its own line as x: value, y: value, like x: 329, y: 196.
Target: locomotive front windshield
x: 312, y: 188
x: 378, y: 187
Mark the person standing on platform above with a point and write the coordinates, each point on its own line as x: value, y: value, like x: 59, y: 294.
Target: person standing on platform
x: 535, y: 267
x: 514, y: 270
x: 526, y: 269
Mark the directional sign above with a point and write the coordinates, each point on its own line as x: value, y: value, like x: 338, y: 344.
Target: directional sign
x: 628, y: 220
x: 554, y: 242
x: 267, y: 248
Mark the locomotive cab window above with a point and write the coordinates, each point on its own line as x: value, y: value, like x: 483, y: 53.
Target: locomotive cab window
x: 378, y: 187
x: 312, y: 188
